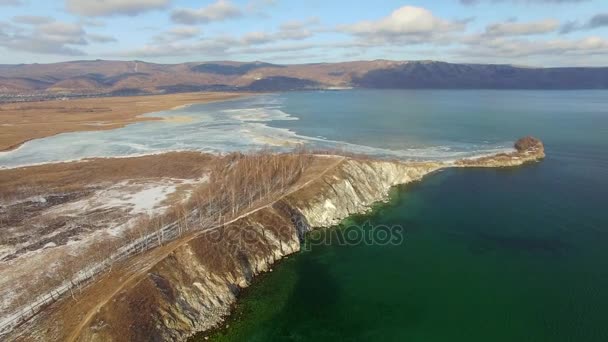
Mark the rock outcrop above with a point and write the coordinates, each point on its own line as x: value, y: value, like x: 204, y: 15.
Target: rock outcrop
x: 527, y: 149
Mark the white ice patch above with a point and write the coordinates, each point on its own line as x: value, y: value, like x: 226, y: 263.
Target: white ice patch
x: 258, y: 114
x: 240, y: 125
x: 145, y: 201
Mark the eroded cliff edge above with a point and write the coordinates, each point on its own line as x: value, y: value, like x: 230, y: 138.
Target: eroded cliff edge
x: 191, y: 287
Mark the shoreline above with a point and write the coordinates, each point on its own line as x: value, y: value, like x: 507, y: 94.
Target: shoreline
x: 21, y: 120
x: 231, y: 317
x: 260, y: 133
x: 330, y: 190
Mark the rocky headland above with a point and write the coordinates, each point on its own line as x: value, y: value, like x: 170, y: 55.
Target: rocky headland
x: 190, y: 285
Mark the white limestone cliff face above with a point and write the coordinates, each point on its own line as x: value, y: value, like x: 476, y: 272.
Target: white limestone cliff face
x: 194, y: 288
x: 353, y: 187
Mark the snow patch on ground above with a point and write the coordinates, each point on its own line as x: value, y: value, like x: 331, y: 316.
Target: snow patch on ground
x: 135, y: 198
x: 108, y: 213
x: 147, y: 200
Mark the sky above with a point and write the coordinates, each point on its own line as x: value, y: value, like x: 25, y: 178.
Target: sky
x: 521, y: 32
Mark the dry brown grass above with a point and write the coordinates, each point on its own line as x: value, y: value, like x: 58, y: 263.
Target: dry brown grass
x: 239, y: 186
x: 237, y: 183
x: 20, y: 122
x: 73, y: 176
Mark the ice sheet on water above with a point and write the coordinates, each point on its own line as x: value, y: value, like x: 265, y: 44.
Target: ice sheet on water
x: 239, y: 125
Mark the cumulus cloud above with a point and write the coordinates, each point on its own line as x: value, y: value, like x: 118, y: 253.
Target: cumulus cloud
x: 514, y: 28
x: 217, y: 11
x: 291, y: 30
x: 181, y: 41
x: 43, y: 35
x: 298, y: 29
x: 100, y: 38
x: 11, y: 2
x: 407, y: 24
x: 280, y: 48
x: 209, y: 47
x: 92, y: 22
x: 100, y: 8
x: 253, y: 38
x: 597, y: 21
x: 32, y: 19
x: 178, y: 33
x: 184, y: 32
x: 50, y: 38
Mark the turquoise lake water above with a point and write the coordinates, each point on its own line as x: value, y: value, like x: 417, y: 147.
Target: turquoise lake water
x: 265, y: 121
x: 487, y: 254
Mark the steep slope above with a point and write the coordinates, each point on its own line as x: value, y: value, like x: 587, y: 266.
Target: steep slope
x: 190, y: 285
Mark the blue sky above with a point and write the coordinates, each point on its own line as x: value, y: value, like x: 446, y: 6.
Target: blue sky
x: 522, y: 32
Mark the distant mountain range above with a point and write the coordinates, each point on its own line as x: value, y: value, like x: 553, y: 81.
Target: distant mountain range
x: 87, y: 78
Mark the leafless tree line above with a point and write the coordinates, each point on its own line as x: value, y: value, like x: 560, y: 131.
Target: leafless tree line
x: 237, y: 183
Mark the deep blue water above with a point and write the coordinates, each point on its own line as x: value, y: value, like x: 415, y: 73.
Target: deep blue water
x: 488, y: 254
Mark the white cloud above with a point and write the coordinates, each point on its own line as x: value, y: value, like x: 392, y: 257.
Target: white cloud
x: 61, y: 33
x: 32, y: 19
x: 182, y: 40
x: 253, y: 38
x: 174, y: 42
x: 42, y: 35
x: 11, y: 3
x: 597, y: 21
x: 100, y: 8
x: 291, y: 30
x: 185, y: 31
x: 408, y: 23
x: 518, y: 49
x: 100, y: 38
x: 209, y: 47
x: 217, y: 11
x: 513, y: 28
x: 178, y: 33
x: 298, y: 29
x: 92, y: 22
x: 54, y: 38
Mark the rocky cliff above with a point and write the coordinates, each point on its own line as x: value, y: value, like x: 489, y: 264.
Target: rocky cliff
x: 192, y: 287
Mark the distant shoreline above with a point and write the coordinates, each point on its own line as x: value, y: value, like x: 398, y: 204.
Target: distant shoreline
x: 26, y: 121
